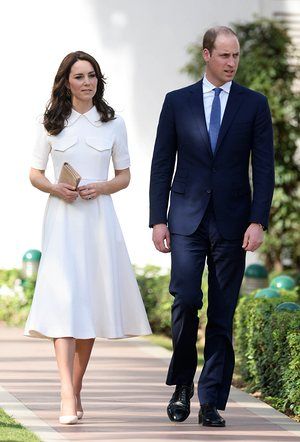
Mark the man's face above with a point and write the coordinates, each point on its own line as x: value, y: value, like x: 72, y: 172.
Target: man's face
x: 223, y: 61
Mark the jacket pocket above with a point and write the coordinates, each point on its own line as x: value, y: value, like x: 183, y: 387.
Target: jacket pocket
x: 178, y: 187
x: 99, y: 144
x: 64, y: 143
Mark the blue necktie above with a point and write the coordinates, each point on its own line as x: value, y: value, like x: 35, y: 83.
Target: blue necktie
x: 215, y: 119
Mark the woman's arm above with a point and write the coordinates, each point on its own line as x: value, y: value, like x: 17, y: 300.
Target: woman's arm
x: 61, y: 190
x: 119, y: 182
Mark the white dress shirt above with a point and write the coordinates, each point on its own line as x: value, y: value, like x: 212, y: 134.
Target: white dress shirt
x: 208, y: 96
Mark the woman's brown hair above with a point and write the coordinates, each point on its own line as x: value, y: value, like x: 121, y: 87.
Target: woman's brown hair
x: 59, y: 107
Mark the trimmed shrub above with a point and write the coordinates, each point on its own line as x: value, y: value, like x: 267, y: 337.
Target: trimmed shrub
x: 15, y: 296
x: 267, y: 344
x: 154, y: 287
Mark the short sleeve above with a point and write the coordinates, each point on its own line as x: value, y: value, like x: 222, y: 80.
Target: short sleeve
x: 41, y: 149
x: 120, y: 154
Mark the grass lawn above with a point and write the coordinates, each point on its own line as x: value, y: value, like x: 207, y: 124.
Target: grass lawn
x: 11, y: 431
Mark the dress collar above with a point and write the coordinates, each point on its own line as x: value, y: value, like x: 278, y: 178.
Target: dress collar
x: 92, y: 116
x: 208, y: 86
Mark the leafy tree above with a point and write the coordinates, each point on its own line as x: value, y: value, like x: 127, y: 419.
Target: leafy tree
x: 269, y: 65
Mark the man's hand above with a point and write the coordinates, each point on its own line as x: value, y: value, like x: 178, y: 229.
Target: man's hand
x: 161, y: 238
x: 253, y: 237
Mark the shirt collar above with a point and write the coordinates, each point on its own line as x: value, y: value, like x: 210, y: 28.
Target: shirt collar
x: 208, y: 86
x: 92, y: 116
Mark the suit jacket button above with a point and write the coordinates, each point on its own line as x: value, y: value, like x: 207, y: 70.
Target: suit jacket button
x: 208, y: 191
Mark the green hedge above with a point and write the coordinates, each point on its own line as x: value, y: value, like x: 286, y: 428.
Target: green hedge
x: 15, y: 296
x: 154, y: 287
x: 267, y: 344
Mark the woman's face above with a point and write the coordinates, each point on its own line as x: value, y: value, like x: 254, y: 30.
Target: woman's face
x: 82, y: 81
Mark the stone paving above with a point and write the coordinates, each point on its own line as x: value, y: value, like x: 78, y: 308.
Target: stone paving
x: 124, y: 397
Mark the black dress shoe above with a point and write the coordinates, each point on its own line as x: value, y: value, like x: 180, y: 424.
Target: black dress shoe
x: 209, y: 416
x: 179, y: 406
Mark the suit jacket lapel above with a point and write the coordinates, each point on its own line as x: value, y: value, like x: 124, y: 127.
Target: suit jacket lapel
x: 233, y: 103
x: 196, y: 104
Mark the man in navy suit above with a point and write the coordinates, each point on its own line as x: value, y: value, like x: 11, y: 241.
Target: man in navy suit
x: 213, y: 130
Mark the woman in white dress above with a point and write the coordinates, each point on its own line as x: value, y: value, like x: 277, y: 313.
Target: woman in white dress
x: 86, y: 286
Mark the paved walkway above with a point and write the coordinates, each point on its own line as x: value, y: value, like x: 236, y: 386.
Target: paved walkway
x: 124, y: 397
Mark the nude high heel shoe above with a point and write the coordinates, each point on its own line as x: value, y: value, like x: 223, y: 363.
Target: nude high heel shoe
x: 78, y: 412
x: 67, y: 420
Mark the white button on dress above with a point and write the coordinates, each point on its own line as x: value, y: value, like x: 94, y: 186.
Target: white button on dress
x: 86, y: 286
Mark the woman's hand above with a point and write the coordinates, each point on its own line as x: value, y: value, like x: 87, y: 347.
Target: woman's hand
x: 61, y: 190
x: 90, y: 191
x: 119, y: 182
x: 65, y: 192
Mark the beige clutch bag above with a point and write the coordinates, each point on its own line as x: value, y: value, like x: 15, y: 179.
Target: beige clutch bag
x: 69, y: 175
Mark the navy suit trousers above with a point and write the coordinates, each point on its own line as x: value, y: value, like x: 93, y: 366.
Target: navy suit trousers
x: 226, y: 263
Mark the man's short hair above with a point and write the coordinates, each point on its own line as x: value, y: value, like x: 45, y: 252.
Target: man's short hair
x: 211, y: 34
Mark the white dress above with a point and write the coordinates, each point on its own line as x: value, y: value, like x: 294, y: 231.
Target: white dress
x: 86, y: 286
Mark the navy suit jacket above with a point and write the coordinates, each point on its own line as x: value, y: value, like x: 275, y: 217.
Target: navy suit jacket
x: 245, y: 136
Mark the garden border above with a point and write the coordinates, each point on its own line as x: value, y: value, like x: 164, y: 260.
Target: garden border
x: 26, y: 417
